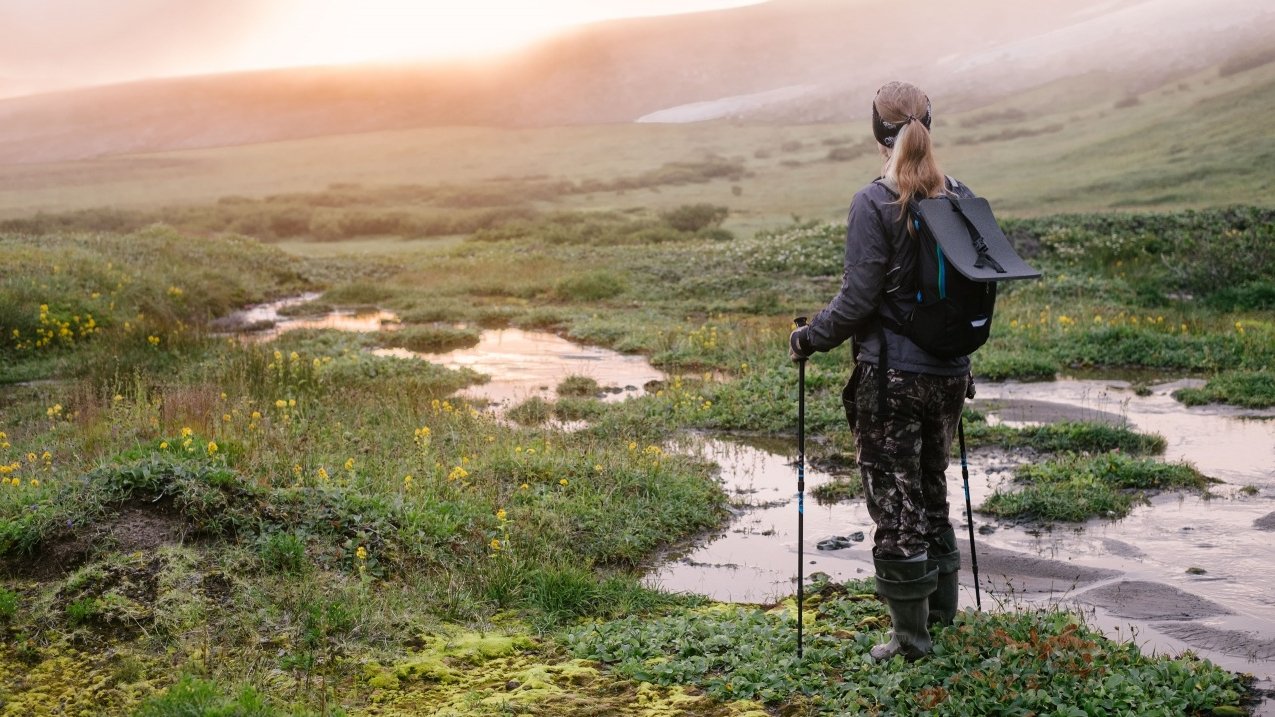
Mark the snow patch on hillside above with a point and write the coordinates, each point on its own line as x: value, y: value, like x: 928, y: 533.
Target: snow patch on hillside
x: 726, y: 106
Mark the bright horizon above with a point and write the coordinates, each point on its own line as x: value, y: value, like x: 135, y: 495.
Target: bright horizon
x: 66, y: 43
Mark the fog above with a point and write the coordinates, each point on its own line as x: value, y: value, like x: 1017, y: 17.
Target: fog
x: 782, y: 61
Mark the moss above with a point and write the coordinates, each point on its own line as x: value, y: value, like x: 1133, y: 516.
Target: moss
x: 469, y: 674
x: 64, y: 681
x: 425, y: 668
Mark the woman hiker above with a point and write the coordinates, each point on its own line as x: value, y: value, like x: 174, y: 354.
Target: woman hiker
x: 903, y: 440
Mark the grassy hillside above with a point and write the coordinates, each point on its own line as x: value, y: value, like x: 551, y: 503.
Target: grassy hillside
x: 597, y: 74
x: 1169, y: 147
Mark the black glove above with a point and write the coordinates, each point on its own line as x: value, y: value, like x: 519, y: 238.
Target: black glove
x: 799, y: 344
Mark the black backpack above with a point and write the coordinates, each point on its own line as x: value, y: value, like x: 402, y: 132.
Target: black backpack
x: 961, y: 255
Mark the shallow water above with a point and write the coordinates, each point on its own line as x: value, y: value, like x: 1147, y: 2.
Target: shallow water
x: 521, y: 364
x: 275, y: 324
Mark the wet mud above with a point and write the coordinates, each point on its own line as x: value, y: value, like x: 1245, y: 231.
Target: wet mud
x: 1266, y: 522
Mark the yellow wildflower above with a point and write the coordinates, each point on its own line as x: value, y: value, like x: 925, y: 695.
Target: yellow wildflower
x: 212, y: 447
x: 407, y: 482
x: 187, y: 432
x: 563, y: 482
x: 225, y: 417
x: 280, y: 403
x: 361, y: 553
x: 163, y: 445
x: 349, y: 464
x: 256, y: 415
x: 524, y: 486
x: 501, y: 514
x: 323, y: 474
x: 35, y: 483
x: 494, y: 544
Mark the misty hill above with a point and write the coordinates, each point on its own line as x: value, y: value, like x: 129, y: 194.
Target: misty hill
x: 787, y: 61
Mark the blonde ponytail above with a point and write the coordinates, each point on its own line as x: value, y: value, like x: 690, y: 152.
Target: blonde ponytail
x: 901, y: 119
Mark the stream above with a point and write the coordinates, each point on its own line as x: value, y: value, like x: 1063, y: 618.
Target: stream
x: 1185, y: 572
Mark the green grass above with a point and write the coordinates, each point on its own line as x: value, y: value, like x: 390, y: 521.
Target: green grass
x: 1250, y: 389
x: 1064, y: 437
x: 1075, y: 488
x: 1046, y: 662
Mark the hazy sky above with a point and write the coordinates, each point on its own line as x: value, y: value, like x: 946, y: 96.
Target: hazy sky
x: 46, y: 44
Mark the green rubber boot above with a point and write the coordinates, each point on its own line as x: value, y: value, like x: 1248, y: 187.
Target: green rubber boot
x: 945, y: 558
x: 905, y: 586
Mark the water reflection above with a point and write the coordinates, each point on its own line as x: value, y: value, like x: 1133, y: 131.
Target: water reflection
x: 521, y: 364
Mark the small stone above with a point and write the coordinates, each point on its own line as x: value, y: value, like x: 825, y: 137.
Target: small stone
x: 512, y: 685
x: 1196, y: 571
x: 857, y: 536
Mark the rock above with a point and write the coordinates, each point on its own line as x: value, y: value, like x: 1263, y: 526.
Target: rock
x: 836, y: 542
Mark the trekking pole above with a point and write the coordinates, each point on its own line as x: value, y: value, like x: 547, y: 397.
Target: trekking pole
x: 969, y: 510
x: 801, y: 485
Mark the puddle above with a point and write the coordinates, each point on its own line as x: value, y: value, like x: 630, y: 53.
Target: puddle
x: 263, y: 322
x: 522, y: 364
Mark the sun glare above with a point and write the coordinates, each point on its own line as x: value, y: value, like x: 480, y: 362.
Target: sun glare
x: 343, y: 31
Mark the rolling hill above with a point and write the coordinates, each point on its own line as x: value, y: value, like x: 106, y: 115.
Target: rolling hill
x: 784, y: 62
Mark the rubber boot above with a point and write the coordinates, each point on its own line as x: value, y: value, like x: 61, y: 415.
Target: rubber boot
x: 905, y: 586
x: 945, y: 558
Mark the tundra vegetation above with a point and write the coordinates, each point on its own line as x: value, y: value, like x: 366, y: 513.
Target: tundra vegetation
x: 191, y: 523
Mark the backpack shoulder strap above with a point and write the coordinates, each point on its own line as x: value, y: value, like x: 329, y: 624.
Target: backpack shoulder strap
x: 890, y: 184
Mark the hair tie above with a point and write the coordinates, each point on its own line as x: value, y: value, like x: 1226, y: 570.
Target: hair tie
x: 887, y: 132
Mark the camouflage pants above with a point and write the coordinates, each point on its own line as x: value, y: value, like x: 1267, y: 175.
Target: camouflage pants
x: 903, y: 455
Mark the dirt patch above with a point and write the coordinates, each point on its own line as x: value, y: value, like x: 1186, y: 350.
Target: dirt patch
x: 1122, y: 549
x: 136, y: 527
x: 1142, y: 600
x: 1005, y: 571
x: 1252, y: 646
x: 144, y: 527
x: 1266, y: 522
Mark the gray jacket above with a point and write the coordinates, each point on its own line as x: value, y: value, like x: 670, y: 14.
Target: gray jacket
x: 880, y: 264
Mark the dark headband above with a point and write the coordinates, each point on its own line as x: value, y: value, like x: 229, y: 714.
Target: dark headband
x: 886, y: 132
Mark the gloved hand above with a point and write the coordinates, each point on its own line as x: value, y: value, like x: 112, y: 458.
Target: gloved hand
x: 799, y: 344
